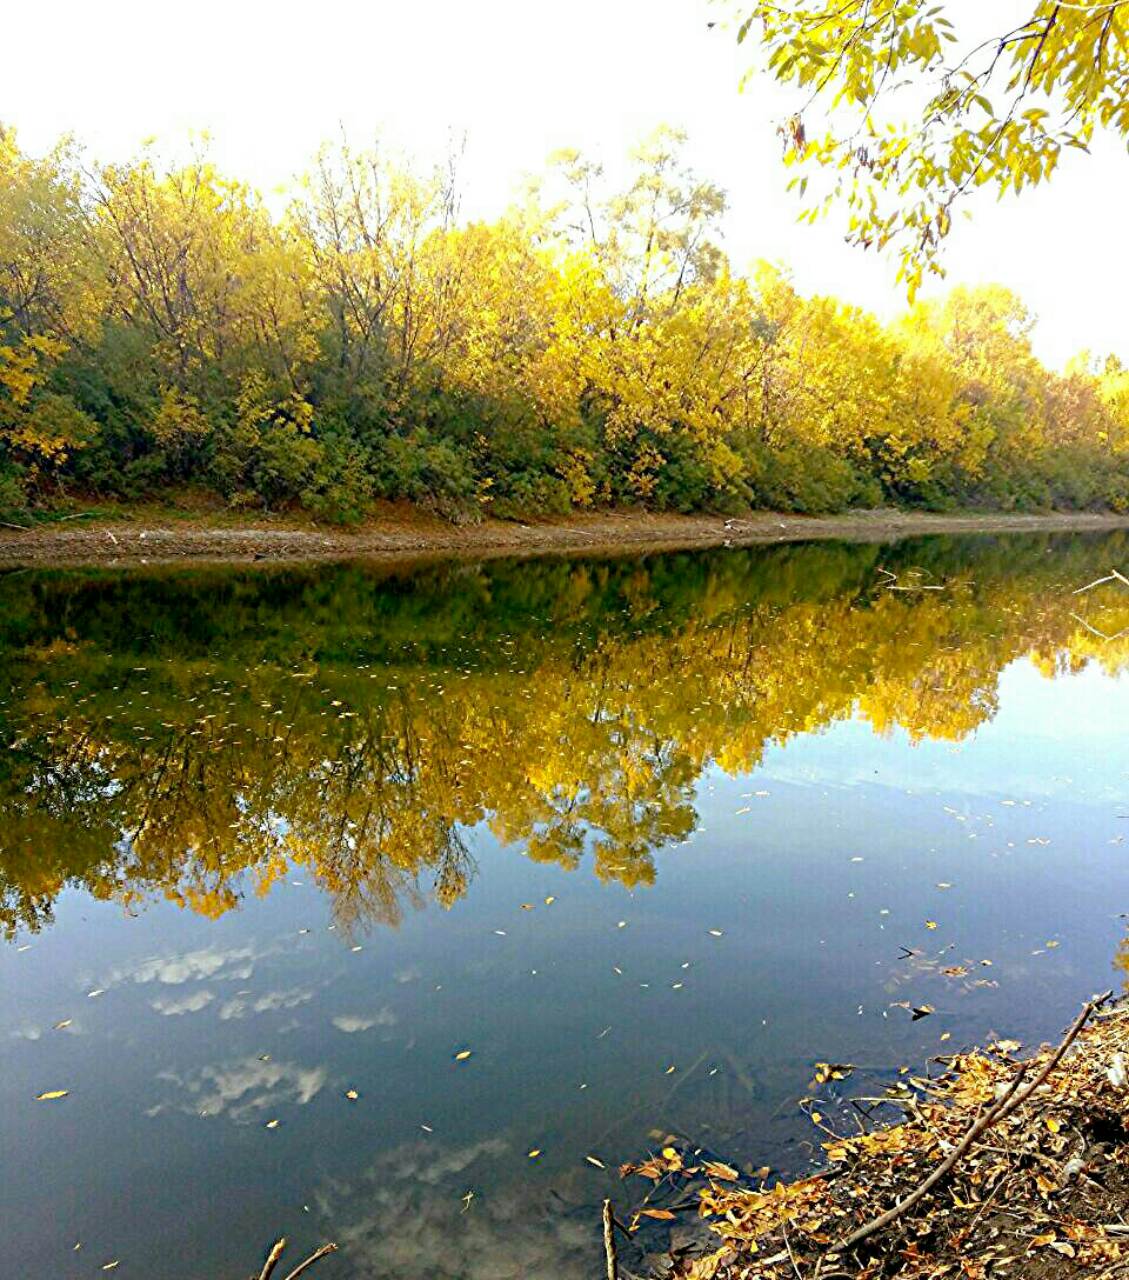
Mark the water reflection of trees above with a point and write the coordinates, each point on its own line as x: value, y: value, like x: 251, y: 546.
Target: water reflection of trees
x: 195, y: 736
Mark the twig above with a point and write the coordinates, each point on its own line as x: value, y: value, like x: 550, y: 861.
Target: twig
x: 1007, y: 1104
x: 6, y: 524
x: 609, y: 1242
x: 791, y: 1255
x: 316, y: 1256
x: 272, y: 1259
x: 1095, y: 631
x: 1112, y: 576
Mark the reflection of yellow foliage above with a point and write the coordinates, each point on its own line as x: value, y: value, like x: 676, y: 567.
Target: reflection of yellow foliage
x: 197, y: 780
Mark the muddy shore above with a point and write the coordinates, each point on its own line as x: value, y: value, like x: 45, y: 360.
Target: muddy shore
x: 405, y: 534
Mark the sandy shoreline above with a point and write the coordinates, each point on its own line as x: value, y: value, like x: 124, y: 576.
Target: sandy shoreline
x: 402, y: 535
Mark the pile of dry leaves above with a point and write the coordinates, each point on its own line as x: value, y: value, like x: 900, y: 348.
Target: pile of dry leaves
x: 1000, y: 1167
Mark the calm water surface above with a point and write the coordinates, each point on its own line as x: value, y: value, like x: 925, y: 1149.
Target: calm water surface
x: 647, y: 837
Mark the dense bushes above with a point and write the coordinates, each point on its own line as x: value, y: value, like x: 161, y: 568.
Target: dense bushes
x: 159, y: 328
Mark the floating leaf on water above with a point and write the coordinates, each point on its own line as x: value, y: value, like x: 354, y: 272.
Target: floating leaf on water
x: 715, y: 933
x: 60, y: 1026
x: 98, y: 991
x: 596, y: 1161
x: 550, y: 900
x: 663, y: 1215
x: 272, y: 1124
x: 534, y: 1153
x: 109, y: 1266
x: 352, y: 1095
x: 922, y: 1011
x: 931, y: 924
x: 51, y: 1095
x: 462, y: 1055
x: 716, y: 1169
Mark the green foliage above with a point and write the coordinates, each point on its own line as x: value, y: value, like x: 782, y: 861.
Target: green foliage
x: 13, y: 497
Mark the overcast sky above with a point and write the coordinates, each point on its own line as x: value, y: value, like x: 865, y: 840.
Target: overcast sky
x: 520, y: 78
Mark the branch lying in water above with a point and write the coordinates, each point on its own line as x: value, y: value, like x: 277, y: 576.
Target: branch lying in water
x: 1013, y: 1098
x: 277, y: 1252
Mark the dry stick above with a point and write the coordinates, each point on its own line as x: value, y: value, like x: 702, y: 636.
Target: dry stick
x: 609, y: 1242
x: 1007, y: 1104
x: 272, y: 1259
x: 314, y: 1257
x: 791, y: 1255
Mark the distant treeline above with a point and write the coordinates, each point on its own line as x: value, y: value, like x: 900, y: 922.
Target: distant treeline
x: 166, y: 328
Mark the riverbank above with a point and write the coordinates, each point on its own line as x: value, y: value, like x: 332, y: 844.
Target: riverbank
x: 401, y: 532
x: 995, y: 1163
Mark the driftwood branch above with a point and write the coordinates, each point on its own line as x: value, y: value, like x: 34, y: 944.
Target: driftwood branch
x: 316, y: 1256
x: 277, y: 1251
x: 272, y: 1259
x: 1112, y: 576
x: 1015, y: 1097
x: 609, y: 1242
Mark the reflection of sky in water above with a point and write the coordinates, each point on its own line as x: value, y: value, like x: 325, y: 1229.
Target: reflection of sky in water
x: 774, y: 936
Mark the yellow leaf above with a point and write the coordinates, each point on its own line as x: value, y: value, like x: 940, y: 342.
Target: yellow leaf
x: 718, y: 1170
x: 352, y: 1095
x: 462, y: 1055
x: 535, y: 1153
x: 663, y: 1215
x: 51, y: 1095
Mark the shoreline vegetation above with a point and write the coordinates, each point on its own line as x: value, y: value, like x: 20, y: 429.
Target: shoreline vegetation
x: 355, y: 340
x: 990, y: 1163
x: 399, y: 532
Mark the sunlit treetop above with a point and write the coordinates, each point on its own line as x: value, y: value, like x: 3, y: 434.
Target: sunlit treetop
x: 909, y: 105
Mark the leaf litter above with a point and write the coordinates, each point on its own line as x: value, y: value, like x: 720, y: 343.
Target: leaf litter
x: 989, y: 1166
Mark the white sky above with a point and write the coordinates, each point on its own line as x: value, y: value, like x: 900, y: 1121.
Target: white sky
x: 521, y: 78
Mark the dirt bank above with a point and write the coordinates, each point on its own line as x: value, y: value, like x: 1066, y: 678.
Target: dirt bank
x: 141, y: 537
